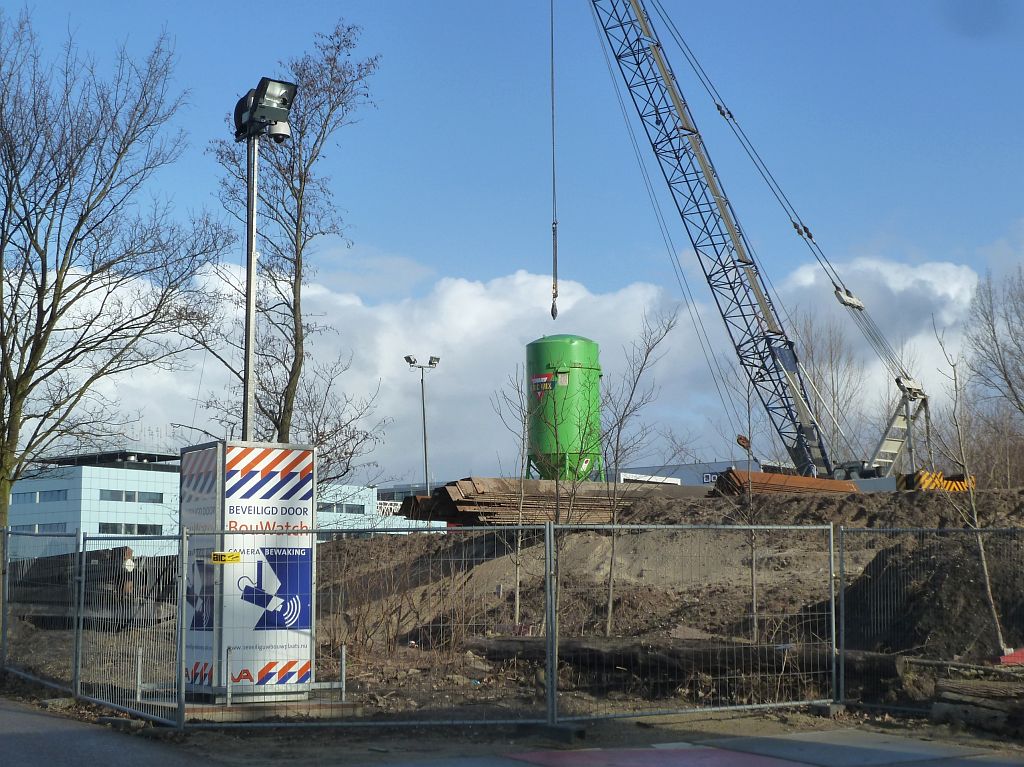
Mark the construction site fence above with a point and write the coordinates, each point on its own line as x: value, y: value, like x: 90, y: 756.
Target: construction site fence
x: 501, y: 625
x: 929, y: 615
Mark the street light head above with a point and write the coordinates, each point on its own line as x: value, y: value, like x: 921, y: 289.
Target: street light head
x: 410, y: 359
x: 265, y: 109
x: 433, y: 361
x: 273, y: 100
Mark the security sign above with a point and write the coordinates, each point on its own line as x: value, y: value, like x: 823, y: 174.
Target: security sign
x: 256, y: 614
x: 289, y: 607
x: 268, y: 598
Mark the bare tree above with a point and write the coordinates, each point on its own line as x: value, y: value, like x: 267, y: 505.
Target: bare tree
x: 747, y: 413
x: 512, y: 408
x: 955, y: 451
x: 94, y: 282
x: 837, y: 377
x: 625, y: 433
x: 297, y: 212
x: 996, y: 336
x: 996, y: 442
x: 344, y: 427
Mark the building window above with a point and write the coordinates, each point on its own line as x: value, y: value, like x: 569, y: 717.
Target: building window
x: 354, y: 508
x: 48, y: 496
x: 23, y: 529
x: 151, y: 529
x: 23, y: 498
x: 110, y: 528
x: 54, y: 527
x: 129, y: 528
x: 131, y: 496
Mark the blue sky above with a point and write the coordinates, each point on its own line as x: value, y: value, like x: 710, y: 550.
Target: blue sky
x: 893, y: 127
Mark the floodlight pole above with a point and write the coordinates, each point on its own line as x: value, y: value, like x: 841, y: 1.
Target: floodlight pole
x: 423, y: 403
x: 264, y: 109
x: 252, y: 145
x: 430, y: 364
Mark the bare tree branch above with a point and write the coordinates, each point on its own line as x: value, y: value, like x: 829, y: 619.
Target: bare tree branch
x: 94, y: 285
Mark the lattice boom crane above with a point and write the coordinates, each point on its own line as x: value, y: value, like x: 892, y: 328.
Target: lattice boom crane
x: 766, y: 353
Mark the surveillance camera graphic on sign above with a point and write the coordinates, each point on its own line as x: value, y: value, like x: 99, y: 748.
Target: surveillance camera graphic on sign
x: 199, y: 595
x: 289, y: 606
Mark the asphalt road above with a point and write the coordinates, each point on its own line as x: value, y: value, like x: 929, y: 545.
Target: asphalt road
x: 30, y: 737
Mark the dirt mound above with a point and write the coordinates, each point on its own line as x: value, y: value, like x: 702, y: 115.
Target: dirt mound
x: 876, y: 510
x: 926, y: 596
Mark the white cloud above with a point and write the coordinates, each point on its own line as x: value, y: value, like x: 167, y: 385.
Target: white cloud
x: 480, y: 330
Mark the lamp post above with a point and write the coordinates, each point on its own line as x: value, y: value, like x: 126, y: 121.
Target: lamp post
x: 431, y: 363
x: 263, y: 110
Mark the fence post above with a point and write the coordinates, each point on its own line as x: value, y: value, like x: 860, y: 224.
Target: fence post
x: 5, y: 596
x: 551, y: 619
x: 182, y: 586
x: 344, y: 672
x: 832, y: 607
x: 842, y: 614
x: 138, y: 674
x: 227, y: 677
x: 79, y: 614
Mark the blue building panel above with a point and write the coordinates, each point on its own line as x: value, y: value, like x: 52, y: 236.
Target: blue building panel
x: 97, y: 500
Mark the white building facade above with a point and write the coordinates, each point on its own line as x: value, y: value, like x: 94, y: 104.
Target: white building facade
x: 112, y: 493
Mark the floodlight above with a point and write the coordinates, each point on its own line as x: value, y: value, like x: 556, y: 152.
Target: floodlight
x: 265, y: 105
x: 433, y: 361
x: 410, y: 359
x: 272, y: 100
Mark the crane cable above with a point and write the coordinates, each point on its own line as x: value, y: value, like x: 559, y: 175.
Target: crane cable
x: 729, y: 406
x: 864, y: 322
x: 873, y: 336
x: 554, y: 186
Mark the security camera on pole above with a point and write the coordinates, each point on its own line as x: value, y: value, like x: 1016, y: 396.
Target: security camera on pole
x: 262, y: 110
x: 248, y: 512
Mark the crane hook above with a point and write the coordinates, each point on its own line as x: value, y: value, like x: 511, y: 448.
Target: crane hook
x: 554, y: 269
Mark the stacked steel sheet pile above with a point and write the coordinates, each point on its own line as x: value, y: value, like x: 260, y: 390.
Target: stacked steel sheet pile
x: 735, y: 482
x: 490, y: 501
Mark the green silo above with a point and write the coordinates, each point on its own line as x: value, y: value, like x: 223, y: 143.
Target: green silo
x: 563, y: 375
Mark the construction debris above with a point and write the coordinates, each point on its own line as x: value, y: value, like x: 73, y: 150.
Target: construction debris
x: 737, y: 482
x: 510, y: 501
x: 990, y: 705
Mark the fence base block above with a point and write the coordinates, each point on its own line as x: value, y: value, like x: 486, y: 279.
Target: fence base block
x: 559, y: 733
x: 827, y: 710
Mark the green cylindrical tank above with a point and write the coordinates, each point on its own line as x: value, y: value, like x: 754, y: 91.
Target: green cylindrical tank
x: 564, y: 389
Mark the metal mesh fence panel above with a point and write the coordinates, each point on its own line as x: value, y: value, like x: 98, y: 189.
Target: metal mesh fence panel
x: 39, y: 606
x: 128, y: 656
x: 408, y: 626
x: 919, y: 610
x: 671, y: 619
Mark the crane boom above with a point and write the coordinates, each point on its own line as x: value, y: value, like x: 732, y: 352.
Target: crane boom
x: 766, y: 353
